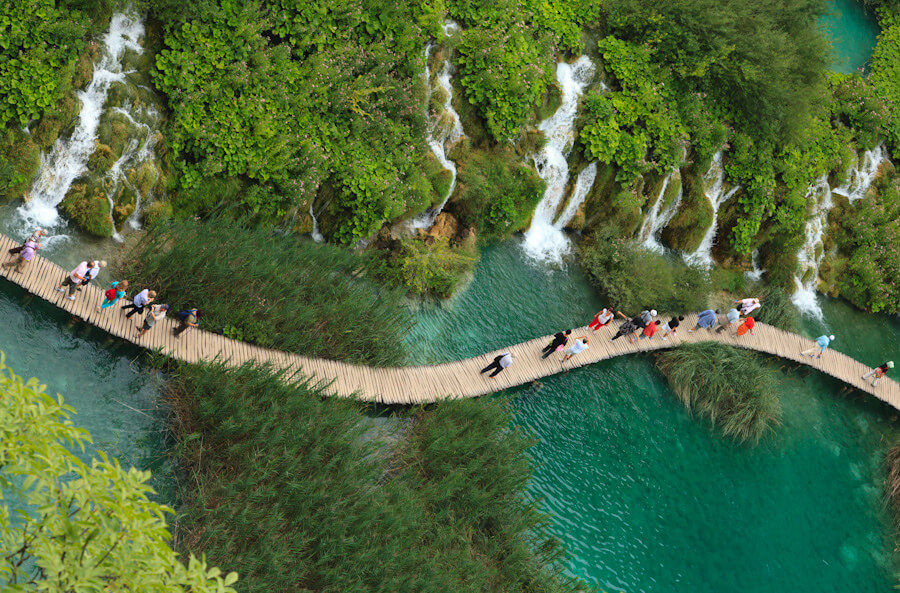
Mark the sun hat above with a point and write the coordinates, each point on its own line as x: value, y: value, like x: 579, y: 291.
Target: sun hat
x: 890, y: 364
x: 653, y: 312
x: 831, y: 337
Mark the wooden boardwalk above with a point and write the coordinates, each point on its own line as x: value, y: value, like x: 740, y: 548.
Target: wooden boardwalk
x: 418, y: 384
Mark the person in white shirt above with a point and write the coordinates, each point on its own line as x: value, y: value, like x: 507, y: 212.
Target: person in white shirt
x: 579, y: 345
x: 500, y: 362
x: 141, y: 300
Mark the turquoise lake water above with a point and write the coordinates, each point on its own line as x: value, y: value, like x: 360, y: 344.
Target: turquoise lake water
x: 853, y: 31
x: 646, y: 498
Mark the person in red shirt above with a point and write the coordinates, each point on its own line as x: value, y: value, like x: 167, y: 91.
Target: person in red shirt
x: 650, y: 330
x: 745, y: 327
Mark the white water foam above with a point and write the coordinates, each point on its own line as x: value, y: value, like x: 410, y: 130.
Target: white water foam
x: 316, y: 235
x: 440, y: 138
x: 703, y: 255
x: 860, y: 178
x: 756, y: 273
x: 583, y: 184
x: 544, y: 240
x: 656, y: 221
x: 804, y: 298
x: 68, y: 159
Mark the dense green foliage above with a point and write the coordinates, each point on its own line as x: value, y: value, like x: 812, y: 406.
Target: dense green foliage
x: 496, y: 192
x: 429, y: 268
x: 67, y: 525
x: 633, y: 278
x: 635, y: 126
x: 866, y: 233
x: 275, y: 291
x: 886, y: 69
x: 729, y: 386
x: 299, y: 492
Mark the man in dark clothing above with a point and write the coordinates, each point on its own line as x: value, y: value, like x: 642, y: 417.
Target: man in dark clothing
x: 559, y: 339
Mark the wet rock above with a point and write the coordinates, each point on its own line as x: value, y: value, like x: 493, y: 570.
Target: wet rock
x: 445, y: 225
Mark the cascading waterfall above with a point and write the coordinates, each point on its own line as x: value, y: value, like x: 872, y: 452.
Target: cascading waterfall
x: 756, y: 273
x: 810, y: 255
x: 68, y: 158
x: 583, y: 184
x: 446, y: 131
x: 137, y: 152
x: 703, y: 255
x: 656, y: 221
x: 859, y: 179
x: 316, y: 235
x: 545, y: 240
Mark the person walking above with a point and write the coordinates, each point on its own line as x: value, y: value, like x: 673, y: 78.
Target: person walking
x: 157, y: 313
x: 628, y: 327
x: 34, y: 238
x: 650, y: 330
x: 747, y: 326
x: 879, y: 372
x: 23, y: 255
x: 578, y: 346
x: 556, y: 344
x: 500, y: 362
x: 647, y: 317
x: 731, y: 317
x: 822, y: 343
x: 141, y: 300
x: 112, y: 296
x: 671, y: 326
x: 706, y: 319
x: 747, y: 306
x: 93, y: 271
x: 187, y: 318
x: 73, y: 280
x: 602, y: 318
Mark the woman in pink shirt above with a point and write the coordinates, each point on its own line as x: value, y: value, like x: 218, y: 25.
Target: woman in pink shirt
x: 24, y: 255
x: 748, y: 305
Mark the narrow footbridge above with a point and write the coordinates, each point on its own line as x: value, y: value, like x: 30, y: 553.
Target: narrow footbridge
x: 420, y: 384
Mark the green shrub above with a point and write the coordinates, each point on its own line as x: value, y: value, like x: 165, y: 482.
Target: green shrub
x: 496, y: 191
x: 300, y: 492
x: 886, y: 72
x: 20, y: 160
x: 281, y: 292
x: 429, y: 270
x: 632, y: 278
x: 727, y: 385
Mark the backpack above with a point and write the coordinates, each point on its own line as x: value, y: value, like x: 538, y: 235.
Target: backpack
x: 184, y: 314
x: 110, y: 294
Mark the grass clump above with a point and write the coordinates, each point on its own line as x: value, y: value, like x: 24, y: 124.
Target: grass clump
x: 290, y: 489
x: 633, y: 278
x: 276, y: 291
x: 433, y: 270
x: 725, y: 384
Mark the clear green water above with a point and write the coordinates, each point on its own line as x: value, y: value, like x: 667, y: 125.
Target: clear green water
x: 853, y: 31
x: 115, y: 396
x: 647, y: 498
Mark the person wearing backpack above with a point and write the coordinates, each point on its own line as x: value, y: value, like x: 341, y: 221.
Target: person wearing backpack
x: 157, y: 313
x: 112, y: 296
x: 187, y: 318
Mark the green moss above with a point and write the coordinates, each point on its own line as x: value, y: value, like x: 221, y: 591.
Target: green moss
x: 155, y: 212
x: 549, y: 103
x: 438, y: 176
x: 101, y: 159
x: 686, y: 229
x: 671, y: 191
x: 56, y: 120
x: 87, y: 206
x: 430, y: 266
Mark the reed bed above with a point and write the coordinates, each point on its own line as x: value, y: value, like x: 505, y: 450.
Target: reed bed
x: 284, y: 486
x: 729, y: 386
x: 281, y: 292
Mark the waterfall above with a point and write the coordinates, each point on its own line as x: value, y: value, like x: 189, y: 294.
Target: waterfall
x: 810, y: 255
x: 440, y: 137
x: 68, y: 158
x: 756, y: 273
x: 656, y: 221
x: 135, y: 154
x: 544, y: 240
x: 316, y: 235
x: 583, y: 184
x: 716, y: 173
x: 860, y: 178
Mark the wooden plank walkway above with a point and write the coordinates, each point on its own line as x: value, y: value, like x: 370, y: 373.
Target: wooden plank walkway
x: 420, y: 384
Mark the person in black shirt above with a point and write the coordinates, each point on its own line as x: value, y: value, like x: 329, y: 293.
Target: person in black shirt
x: 879, y: 372
x: 559, y: 339
x: 671, y: 326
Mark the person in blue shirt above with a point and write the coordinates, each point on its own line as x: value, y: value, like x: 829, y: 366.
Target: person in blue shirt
x: 706, y: 319
x: 822, y: 343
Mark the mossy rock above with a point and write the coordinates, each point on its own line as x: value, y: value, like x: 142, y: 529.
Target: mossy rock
x: 156, y: 211
x: 671, y: 191
x: 577, y: 222
x: 143, y: 177
x: 723, y: 249
x: 436, y: 102
x: 84, y: 68
x: 686, y: 229
x: 101, y: 159
x: 114, y: 130
x: 599, y: 200
x: 472, y: 122
x: 530, y: 141
x: 549, y: 103
x: 20, y: 161
x: 652, y: 189
x: 62, y: 117
x: 88, y: 208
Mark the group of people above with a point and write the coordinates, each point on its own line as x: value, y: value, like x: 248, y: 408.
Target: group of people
x: 87, y: 271
x: 644, y: 326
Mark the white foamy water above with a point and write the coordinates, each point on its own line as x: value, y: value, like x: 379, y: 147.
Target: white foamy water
x: 583, y: 184
x: 860, y: 178
x: 757, y: 272
x: 441, y: 137
x: 717, y: 196
x: 68, y: 158
x: 656, y: 221
x: 808, y: 260
x: 544, y: 240
x: 316, y: 235
x: 135, y: 158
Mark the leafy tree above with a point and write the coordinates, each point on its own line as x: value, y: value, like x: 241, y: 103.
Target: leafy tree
x: 71, y: 526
